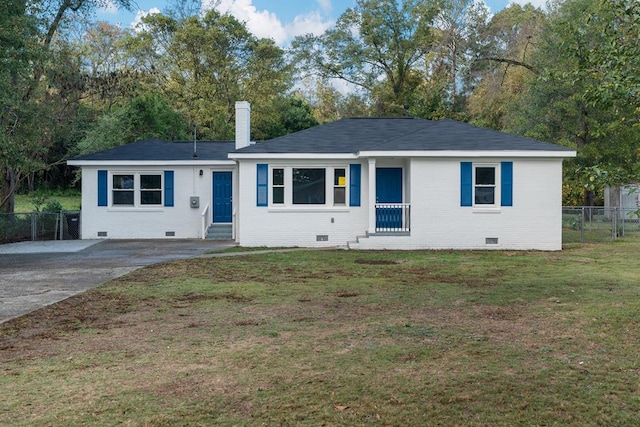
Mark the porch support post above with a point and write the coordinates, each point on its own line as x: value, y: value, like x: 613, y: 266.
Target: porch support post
x: 372, y: 196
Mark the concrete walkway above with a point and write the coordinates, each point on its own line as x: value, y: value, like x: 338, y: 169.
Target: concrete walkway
x: 36, y: 274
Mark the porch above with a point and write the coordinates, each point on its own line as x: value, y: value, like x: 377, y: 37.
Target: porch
x: 392, y: 218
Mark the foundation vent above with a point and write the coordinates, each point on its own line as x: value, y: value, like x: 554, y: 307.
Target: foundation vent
x: 102, y: 234
x: 322, y: 238
x: 491, y: 240
x: 170, y: 233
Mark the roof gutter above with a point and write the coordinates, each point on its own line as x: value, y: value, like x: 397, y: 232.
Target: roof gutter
x: 195, y: 162
x: 412, y: 154
x: 471, y: 154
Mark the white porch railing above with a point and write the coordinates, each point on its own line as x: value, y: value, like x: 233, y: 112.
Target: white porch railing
x: 393, y: 217
x: 205, y: 223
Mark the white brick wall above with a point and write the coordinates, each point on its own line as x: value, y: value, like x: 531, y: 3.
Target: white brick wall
x: 439, y: 222
x: 437, y: 219
x: 147, y: 223
x: 432, y: 187
x: 297, y: 225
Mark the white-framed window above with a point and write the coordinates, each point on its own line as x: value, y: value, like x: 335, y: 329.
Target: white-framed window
x: 122, y: 190
x: 277, y: 186
x: 312, y: 186
x: 136, y: 189
x: 339, y: 186
x: 487, y: 185
x: 484, y: 185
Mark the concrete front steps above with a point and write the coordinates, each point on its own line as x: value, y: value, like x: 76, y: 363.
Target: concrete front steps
x: 219, y: 232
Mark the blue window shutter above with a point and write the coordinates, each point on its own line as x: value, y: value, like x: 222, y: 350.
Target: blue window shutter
x: 262, y: 192
x: 354, y: 185
x: 466, y: 184
x: 168, y: 188
x: 506, y: 178
x: 102, y: 188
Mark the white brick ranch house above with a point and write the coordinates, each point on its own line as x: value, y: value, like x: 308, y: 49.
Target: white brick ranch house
x: 370, y: 183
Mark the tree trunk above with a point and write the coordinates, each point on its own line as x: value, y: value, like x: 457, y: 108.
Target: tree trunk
x: 7, y: 190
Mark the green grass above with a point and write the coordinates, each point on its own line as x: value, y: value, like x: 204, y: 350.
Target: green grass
x: 26, y: 203
x: 340, y: 338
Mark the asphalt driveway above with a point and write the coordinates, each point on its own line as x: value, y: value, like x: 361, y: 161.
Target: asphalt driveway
x: 36, y: 274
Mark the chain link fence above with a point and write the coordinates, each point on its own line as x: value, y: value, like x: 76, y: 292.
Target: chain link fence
x: 579, y: 224
x: 19, y: 227
x: 593, y: 224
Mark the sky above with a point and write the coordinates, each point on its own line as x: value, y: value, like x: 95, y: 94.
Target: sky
x: 280, y: 20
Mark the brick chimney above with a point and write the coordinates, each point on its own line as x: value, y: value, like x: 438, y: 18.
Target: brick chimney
x: 243, y: 124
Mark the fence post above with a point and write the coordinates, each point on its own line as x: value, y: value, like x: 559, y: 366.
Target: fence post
x: 61, y: 226
x: 34, y: 226
x: 582, y: 224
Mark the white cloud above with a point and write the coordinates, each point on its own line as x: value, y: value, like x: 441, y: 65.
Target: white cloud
x: 304, y: 24
x: 537, y: 3
x: 137, y: 24
x: 266, y: 24
x: 261, y: 23
x: 325, y: 5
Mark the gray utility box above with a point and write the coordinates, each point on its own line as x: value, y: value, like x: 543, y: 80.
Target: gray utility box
x: 195, y: 201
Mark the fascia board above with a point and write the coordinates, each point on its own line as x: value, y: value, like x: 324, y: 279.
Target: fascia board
x: 473, y: 154
x: 293, y: 156
x: 150, y: 163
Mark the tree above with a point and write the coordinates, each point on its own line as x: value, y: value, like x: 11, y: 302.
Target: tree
x: 377, y: 46
x: 293, y: 114
x: 109, y: 76
x: 145, y: 116
x: 18, y: 49
x: 458, y: 25
x: 558, y: 104
x: 35, y: 104
x: 614, y: 62
x: 204, y: 64
x: 503, y: 64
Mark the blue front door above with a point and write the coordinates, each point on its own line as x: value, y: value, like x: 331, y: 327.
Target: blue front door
x: 388, y: 191
x: 222, y: 206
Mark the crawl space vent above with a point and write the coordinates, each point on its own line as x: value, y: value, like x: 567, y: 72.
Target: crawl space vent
x: 102, y: 234
x: 322, y: 238
x: 170, y: 233
x: 491, y: 240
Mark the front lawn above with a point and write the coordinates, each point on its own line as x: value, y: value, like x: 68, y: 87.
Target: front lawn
x: 340, y: 338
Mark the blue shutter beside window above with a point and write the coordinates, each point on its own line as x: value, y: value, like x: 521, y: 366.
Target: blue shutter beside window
x: 102, y: 188
x: 466, y: 184
x: 354, y: 185
x: 168, y: 188
x: 262, y: 189
x: 506, y: 178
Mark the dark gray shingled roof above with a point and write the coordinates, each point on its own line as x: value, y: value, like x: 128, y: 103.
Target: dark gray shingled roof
x: 155, y: 149
x: 351, y: 135
x: 397, y: 134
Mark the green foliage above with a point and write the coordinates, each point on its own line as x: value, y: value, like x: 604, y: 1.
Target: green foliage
x: 566, y: 74
x: 204, y: 64
x: 42, y: 203
x: 145, y: 116
x: 376, y: 46
x: 292, y: 114
x: 558, y: 105
x: 612, y: 62
x: 504, y: 65
x: 69, y: 200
